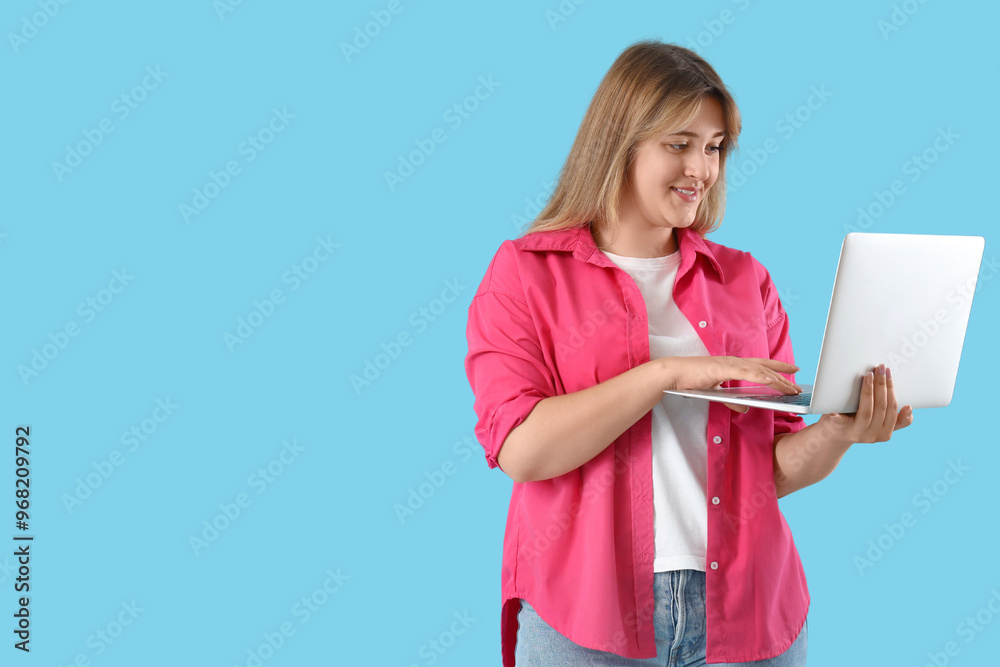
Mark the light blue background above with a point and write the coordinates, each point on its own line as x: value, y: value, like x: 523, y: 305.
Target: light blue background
x: 332, y: 505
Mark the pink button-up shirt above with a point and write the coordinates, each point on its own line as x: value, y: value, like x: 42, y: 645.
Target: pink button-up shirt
x: 554, y: 315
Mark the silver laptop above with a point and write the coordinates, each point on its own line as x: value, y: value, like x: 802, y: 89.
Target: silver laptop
x: 898, y: 299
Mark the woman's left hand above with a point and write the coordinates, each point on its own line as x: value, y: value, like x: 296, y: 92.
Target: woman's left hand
x: 876, y: 417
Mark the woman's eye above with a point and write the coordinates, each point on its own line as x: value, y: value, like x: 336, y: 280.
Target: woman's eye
x: 678, y: 147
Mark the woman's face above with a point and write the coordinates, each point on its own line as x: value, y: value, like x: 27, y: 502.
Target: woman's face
x: 672, y: 174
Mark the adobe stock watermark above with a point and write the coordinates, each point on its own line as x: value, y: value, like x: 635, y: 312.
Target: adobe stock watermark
x: 420, y: 320
x: 294, y: 277
x: 249, y: 149
x: 224, y: 7
x: 87, y: 311
x: 302, y: 610
x: 924, y: 500
x: 562, y: 12
x: 786, y: 126
x: 559, y: 522
x: 433, y: 480
x: 915, y: 167
x: 432, y: 650
x: 7, y: 569
x: 593, y: 321
x: 900, y: 14
x: 132, y: 439
x: 533, y: 206
x: 30, y: 25
x: 258, y: 481
x: 104, y: 637
x: 928, y: 328
x: 787, y: 296
x: 715, y: 27
x: 454, y: 116
x: 365, y: 33
x: 122, y: 107
x: 970, y: 627
x: 816, y: 438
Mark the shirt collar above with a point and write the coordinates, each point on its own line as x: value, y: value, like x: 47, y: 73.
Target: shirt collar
x: 580, y: 242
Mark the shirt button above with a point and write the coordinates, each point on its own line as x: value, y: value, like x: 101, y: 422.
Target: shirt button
x: 716, y: 439
x: 715, y: 500
x: 715, y: 566
x: 703, y: 324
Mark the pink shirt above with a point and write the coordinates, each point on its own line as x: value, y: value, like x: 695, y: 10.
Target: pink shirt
x: 554, y: 315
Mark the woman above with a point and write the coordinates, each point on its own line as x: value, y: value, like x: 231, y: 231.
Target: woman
x: 644, y: 528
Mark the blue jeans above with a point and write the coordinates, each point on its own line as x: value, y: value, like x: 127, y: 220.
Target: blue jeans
x: 680, y: 633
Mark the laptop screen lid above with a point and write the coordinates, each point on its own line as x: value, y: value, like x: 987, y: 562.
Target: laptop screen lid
x: 903, y: 300
x: 899, y: 299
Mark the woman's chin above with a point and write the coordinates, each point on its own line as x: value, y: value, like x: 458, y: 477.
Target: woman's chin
x: 680, y: 222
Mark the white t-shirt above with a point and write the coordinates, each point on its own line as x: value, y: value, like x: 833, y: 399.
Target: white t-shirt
x: 679, y: 424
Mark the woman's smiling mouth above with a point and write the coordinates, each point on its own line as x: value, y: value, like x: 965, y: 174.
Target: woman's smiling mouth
x: 689, y: 195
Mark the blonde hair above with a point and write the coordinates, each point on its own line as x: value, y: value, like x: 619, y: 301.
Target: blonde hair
x: 652, y: 88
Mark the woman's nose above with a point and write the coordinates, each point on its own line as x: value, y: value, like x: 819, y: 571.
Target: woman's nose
x: 697, y: 166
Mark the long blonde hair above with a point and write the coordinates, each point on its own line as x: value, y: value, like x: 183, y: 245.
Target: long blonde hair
x: 652, y: 88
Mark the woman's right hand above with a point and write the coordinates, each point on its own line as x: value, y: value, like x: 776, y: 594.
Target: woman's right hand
x: 707, y: 372
x: 564, y: 431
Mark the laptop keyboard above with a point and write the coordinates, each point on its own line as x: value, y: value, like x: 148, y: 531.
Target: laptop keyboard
x: 805, y: 398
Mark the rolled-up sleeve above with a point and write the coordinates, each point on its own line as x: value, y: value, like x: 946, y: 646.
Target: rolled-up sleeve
x: 779, y: 343
x: 504, y: 363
